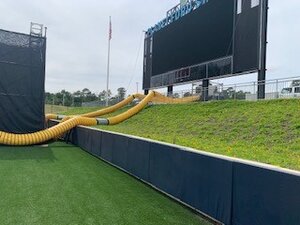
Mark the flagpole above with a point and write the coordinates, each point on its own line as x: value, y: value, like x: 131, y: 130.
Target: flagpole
x: 108, y: 60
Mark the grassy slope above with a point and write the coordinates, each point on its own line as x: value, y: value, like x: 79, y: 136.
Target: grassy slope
x: 64, y: 185
x: 58, y: 109
x: 80, y: 110
x: 265, y: 131
x: 55, y: 109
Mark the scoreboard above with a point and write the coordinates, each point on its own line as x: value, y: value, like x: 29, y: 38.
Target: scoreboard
x: 203, y: 40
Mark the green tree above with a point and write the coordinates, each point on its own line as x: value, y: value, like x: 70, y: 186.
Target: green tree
x: 67, y: 98
x: 121, y: 93
x: 49, y: 97
x: 102, y: 95
x: 77, y: 99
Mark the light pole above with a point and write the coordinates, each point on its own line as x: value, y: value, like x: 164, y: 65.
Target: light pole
x: 108, y: 60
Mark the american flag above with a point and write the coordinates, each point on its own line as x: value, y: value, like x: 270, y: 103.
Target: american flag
x: 110, y: 29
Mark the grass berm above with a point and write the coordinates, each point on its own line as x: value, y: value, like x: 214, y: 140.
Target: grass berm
x: 263, y: 131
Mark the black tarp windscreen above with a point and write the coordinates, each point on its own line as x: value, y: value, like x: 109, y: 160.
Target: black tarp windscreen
x: 22, y: 82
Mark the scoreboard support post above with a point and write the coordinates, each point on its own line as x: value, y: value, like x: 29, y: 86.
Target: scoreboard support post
x: 170, y: 90
x: 205, y: 91
x: 261, y: 92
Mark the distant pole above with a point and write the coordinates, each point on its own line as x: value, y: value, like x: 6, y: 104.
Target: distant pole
x: 63, y: 99
x: 108, y: 60
x: 52, y: 105
x: 46, y: 28
x: 137, y: 87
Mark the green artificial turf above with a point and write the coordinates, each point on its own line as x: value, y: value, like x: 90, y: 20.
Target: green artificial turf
x: 263, y: 131
x: 62, y: 184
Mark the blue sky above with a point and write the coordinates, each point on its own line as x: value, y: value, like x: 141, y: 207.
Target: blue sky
x: 77, y: 39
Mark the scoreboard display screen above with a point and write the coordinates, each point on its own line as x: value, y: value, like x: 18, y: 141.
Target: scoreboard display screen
x: 207, y: 39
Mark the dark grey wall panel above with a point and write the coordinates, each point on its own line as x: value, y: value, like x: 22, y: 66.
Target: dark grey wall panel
x: 96, y: 142
x: 270, y: 197
x: 165, y: 169
x: 84, y: 139
x: 119, y: 149
x: 138, y: 158
x: 73, y: 137
x: 207, y: 185
x: 107, y: 146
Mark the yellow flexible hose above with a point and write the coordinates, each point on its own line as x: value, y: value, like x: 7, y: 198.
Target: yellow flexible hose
x: 101, y: 112
x: 159, y: 98
x: 98, y: 113
x: 110, y: 109
x: 131, y: 112
x: 70, y: 122
x: 45, y: 135
x: 151, y: 97
x: 51, y: 117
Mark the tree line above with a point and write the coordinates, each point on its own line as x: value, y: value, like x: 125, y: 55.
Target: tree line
x: 75, y: 99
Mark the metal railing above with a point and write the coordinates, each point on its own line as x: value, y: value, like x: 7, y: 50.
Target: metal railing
x: 274, y: 89
x: 99, y: 103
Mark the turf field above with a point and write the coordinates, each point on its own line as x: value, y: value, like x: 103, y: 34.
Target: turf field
x: 61, y: 184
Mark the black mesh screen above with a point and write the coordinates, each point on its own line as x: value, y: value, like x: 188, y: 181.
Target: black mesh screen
x: 22, y: 81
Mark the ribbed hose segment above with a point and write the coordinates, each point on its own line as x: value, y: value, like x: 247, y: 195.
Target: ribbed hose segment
x: 45, y: 135
x: 51, y: 117
x: 131, y: 112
